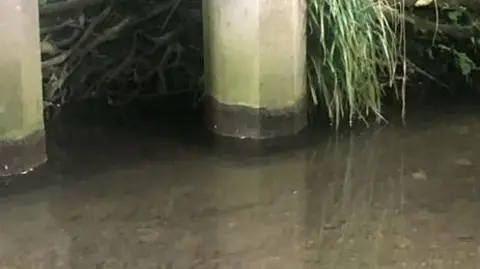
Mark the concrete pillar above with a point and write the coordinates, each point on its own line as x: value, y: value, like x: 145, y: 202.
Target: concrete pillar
x: 255, y: 76
x: 22, y: 135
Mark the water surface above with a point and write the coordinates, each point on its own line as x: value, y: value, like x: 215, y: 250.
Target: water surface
x: 129, y: 195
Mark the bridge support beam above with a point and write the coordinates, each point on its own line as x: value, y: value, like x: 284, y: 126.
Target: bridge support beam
x: 255, y: 57
x: 22, y: 135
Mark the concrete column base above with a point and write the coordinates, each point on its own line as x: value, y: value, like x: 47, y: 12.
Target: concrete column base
x: 248, y: 131
x: 21, y: 156
x: 243, y: 122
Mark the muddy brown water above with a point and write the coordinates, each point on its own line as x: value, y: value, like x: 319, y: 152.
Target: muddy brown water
x: 134, y: 195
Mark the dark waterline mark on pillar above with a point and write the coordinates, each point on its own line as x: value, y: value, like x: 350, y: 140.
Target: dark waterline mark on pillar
x: 257, y: 130
x: 22, y: 156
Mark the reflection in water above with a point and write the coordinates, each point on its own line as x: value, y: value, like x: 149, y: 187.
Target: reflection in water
x: 385, y: 198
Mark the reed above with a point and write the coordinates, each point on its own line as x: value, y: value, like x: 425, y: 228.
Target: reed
x: 353, y: 50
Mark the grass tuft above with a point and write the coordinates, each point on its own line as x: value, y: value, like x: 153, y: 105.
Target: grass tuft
x: 353, y: 52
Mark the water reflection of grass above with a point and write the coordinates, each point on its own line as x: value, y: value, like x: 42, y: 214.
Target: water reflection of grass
x: 358, y: 210
x: 371, y: 216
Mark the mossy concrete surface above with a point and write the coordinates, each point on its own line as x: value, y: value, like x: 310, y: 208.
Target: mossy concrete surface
x: 21, y: 104
x: 255, y: 52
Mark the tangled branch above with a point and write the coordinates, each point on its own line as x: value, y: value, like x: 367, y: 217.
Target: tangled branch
x: 124, y: 50
x: 118, y: 49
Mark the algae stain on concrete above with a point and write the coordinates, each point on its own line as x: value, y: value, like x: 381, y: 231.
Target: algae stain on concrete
x: 283, y: 53
x: 21, y: 101
x: 255, y: 52
x: 233, y: 41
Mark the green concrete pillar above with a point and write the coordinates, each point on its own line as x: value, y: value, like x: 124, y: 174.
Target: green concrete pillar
x: 255, y: 67
x: 22, y: 135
